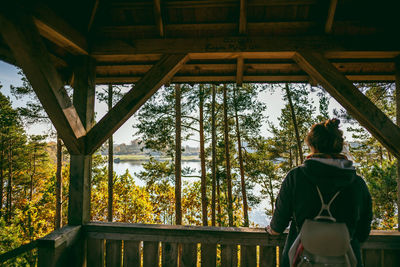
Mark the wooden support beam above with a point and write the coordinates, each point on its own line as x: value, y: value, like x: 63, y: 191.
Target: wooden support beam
x: 331, y: 15
x: 93, y: 14
x: 79, y: 185
x: 239, y: 71
x: 356, y: 103
x: 159, y: 74
x: 54, y: 28
x: 243, y: 17
x: 158, y: 17
x: 22, y: 37
x: 278, y: 45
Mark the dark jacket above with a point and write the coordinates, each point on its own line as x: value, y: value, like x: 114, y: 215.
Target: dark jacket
x: 298, y: 196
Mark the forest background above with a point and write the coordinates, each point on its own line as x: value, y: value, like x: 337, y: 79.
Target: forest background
x: 240, y: 165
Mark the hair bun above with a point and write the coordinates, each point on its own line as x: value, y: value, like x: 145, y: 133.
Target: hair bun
x: 332, y: 124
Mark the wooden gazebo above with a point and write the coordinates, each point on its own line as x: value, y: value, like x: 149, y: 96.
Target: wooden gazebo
x: 154, y: 42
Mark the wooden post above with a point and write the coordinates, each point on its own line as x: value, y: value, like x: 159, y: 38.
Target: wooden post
x: 79, y: 189
x: 397, y: 66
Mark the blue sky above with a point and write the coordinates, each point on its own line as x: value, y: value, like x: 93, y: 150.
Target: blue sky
x: 9, y: 75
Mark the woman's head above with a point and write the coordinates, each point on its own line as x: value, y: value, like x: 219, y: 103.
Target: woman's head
x: 325, y: 137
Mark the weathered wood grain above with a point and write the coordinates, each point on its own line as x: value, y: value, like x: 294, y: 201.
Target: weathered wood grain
x: 131, y: 253
x: 267, y: 256
x: 229, y: 255
x: 169, y: 254
x: 113, y: 253
x: 248, y: 255
x: 95, y: 252
x: 189, y: 255
x: 150, y: 254
x: 208, y: 254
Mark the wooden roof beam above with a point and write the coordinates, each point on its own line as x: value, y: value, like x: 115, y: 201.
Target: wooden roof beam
x: 243, y: 17
x: 158, y: 17
x: 54, y: 28
x: 93, y: 14
x: 22, y: 37
x: 158, y: 75
x: 225, y: 45
x: 331, y: 15
x: 355, y: 102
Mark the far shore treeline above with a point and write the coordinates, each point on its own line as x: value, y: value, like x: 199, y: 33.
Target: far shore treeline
x: 235, y: 155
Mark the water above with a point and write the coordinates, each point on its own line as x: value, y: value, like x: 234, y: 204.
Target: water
x: 256, y: 215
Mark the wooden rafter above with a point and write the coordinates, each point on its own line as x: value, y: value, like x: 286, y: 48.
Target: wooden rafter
x: 243, y: 17
x: 331, y: 15
x: 239, y: 71
x: 53, y: 27
x: 93, y: 14
x: 158, y: 17
x: 276, y: 46
x: 159, y: 74
x: 22, y: 37
x: 356, y: 103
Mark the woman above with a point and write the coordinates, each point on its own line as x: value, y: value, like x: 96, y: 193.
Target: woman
x: 331, y: 171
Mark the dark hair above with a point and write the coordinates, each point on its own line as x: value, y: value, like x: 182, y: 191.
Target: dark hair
x: 326, y: 137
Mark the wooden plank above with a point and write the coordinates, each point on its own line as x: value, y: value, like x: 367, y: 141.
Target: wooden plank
x: 248, y: 255
x: 18, y: 251
x: 95, y: 252
x: 55, y: 29
x: 208, y: 254
x: 229, y: 255
x: 158, y: 17
x: 150, y: 253
x: 243, y: 17
x: 131, y: 253
x: 268, y: 256
x: 369, y: 45
x: 356, y: 103
x: 169, y: 254
x: 189, y: 255
x: 280, y: 255
x: 331, y: 15
x: 239, y: 71
x: 391, y: 257
x: 397, y: 103
x: 372, y: 258
x: 113, y: 253
x: 159, y: 74
x: 31, y: 54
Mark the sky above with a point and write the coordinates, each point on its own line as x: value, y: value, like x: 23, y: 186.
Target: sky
x: 9, y: 76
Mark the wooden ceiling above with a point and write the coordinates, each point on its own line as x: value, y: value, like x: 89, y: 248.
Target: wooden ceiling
x: 226, y: 40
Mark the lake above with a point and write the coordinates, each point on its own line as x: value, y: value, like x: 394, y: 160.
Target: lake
x: 256, y: 215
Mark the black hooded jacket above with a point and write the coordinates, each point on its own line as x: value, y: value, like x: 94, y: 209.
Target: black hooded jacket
x: 298, y: 200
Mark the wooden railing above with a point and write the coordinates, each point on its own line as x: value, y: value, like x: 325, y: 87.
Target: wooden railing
x: 117, y: 244
x: 120, y: 244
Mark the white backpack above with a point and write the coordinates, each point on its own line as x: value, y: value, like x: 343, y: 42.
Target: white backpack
x: 322, y: 241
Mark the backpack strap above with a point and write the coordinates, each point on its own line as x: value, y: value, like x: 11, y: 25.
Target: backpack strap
x: 326, y: 207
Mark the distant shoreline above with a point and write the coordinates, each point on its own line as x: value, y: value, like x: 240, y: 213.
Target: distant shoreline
x: 142, y: 158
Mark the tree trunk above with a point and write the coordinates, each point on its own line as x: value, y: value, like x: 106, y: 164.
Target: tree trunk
x: 219, y: 214
x: 213, y: 156
x: 33, y: 173
x: 296, y: 129
x: 398, y: 124
x: 271, y: 196
x: 110, y: 162
x: 242, y: 182
x: 178, y: 156
x: 1, y: 176
x: 58, y: 220
x: 202, y: 160
x: 9, y: 185
x: 227, y: 157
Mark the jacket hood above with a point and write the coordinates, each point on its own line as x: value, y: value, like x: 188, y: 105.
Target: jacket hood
x: 336, y: 172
